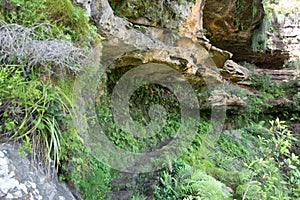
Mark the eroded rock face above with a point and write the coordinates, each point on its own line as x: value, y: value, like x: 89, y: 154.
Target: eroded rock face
x: 283, y: 75
x: 160, y: 13
x: 230, y: 23
x: 193, y: 23
x: 285, y: 34
x: 185, y: 50
x: 221, y: 98
x: 125, y: 45
x: 193, y: 60
x: 234, y: 72
x: 20, y: 179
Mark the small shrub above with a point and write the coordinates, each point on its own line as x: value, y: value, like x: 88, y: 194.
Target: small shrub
x: 138, y: 197
x: 264, y: 84
x: 139, y: 105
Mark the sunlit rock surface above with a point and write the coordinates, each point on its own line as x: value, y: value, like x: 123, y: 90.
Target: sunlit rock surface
x: 284, y: 30
x: 20, y: 178
x: 186, y: 50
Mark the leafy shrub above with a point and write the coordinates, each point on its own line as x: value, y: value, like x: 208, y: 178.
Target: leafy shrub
x: 61, y: 10
x: 79, y: 168
x: 34, y: 110
x: 138, y: 197
x: 193, y: 155
x: 276, y: 171
x: 296, y: 102
x: 139, y: 105
x: 264, y: 84
x: 37, y: 114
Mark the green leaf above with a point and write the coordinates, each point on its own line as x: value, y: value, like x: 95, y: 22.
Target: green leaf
x: 10, y: 125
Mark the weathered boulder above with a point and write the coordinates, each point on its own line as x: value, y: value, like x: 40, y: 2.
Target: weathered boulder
x: 20, y: 179
x: 266, y: 37
x: 167, y: 14
x: 234, y: 72
x: 221, y: 98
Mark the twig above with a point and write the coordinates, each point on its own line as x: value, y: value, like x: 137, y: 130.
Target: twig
x: 248, y: 186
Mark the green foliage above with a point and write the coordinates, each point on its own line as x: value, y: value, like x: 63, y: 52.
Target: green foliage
x: 138, y: 197
x: 79, y: 167
x: 139, y: 105
x: 64, y: 13
x: 258, y: 104
x: 185, y: 183
x: 296, y: 103
x: 36, y: 110
x: 38, y: 116
x: 276, y: 173
x: 53, y: 18
x: 158, y: 11
x: 264, y: 84
x: 259, y: 36
x: 238, y: 18
x: 274, y: 166
x: 203, y: 31
x: 60, y: 10
x: 25, y: 12
x: 256, y: 107
x: 193, y: 155
x: 72, y: 21
x: 291, y: 63
x: 26, y: 146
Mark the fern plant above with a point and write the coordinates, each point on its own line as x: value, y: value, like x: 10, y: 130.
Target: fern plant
x: 186, y: 183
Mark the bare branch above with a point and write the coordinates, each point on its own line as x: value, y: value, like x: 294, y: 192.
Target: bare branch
x: 22, y: 45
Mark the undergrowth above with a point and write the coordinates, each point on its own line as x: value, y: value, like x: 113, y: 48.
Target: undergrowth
x: 257, y: 161
x: 32, y: 109
x: 57, y: 18
x: 35, y: 105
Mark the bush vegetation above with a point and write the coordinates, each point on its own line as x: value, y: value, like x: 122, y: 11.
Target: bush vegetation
x: 258, y: 160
